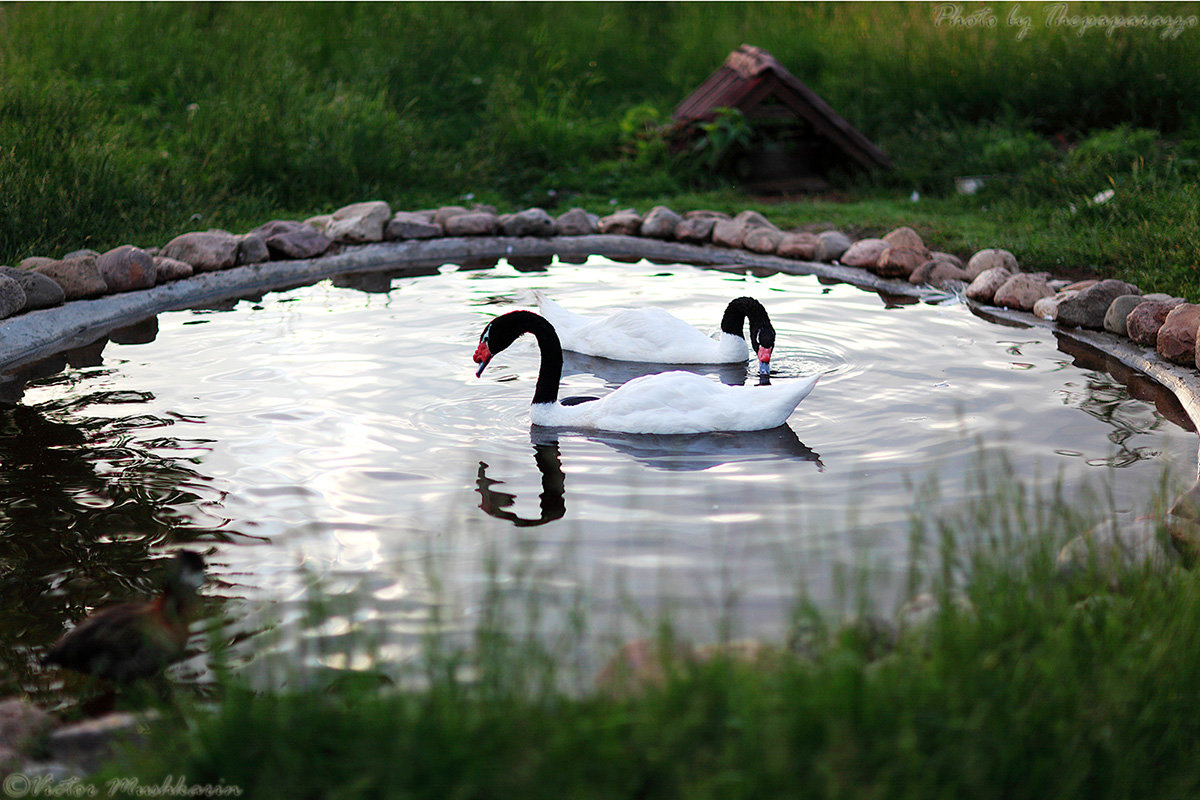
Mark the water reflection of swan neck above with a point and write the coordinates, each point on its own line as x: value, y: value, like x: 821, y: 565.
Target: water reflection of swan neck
x: 552, y: 499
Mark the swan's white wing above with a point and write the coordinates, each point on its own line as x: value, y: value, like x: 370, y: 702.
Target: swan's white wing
x: 642, y: 334
x: 682, y: 402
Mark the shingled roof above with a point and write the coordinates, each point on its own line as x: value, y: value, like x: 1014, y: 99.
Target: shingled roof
x: 752, y: 81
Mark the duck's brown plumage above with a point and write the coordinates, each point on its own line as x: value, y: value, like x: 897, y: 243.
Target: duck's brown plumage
x: 138, y: 639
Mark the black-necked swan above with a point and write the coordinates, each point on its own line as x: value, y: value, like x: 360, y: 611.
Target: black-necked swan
x: 666, y: 402
x: 654, y: 335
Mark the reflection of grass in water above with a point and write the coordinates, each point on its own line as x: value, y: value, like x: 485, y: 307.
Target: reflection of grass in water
x: 1040, y: 688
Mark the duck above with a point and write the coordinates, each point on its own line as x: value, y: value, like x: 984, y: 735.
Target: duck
x: 664, y: 402
x: 654, y: 335
x: 137, y: 639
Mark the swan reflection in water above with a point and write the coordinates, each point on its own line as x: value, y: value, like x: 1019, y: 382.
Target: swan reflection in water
x: 673, y: 452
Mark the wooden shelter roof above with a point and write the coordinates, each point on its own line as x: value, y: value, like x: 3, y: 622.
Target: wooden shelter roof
x: 750, y: 77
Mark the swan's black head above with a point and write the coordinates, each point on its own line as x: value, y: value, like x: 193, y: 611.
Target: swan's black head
x: 500, y: 333
x: 762, y: 332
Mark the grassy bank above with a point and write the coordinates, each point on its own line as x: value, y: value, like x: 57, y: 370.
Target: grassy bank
x: 134, y: 122
x: 1040, y: 687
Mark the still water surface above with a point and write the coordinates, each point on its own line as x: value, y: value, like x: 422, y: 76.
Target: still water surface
x: 337, y: 433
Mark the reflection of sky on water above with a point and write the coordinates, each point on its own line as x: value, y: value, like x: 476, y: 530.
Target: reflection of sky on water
x: 341, y: 425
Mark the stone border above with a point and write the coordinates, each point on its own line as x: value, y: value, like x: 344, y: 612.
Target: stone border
x: 197, y: 269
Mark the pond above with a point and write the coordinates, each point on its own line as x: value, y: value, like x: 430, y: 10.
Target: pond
x: 337, y: 433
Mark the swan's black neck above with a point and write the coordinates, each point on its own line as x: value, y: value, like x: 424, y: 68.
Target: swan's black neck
x: 741, y: 309
x: 504, y: 330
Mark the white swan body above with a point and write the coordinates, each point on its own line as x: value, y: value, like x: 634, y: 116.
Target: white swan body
x: 652, y: 335
x: 667, y: 402
x: 679, y: 402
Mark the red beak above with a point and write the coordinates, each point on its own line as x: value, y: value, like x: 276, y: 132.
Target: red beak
x: 482, y: 356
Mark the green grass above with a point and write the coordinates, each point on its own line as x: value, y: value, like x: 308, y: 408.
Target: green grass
x: 135, y: 122
x: 1043, y: 688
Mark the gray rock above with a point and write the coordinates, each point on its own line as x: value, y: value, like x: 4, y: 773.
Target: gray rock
x: 22, y: 724
x: 252, y: 249
x: 755, y: 220
x: 1118, y: 311
x: 701, y: 213
x: 78, y: 277
x: 906, y: 237
x: 87, y: 745
x: 40, y: 291
x: 762, y: 240
x: 446, y: 212
x: 12, y: 297
x: 412, y: 225
x: 660, y: 223
x: 1022, y: 291
x: 625, y: 222
x: 695, y: 230
x: 730, y: 232
x: 473, y: 223
x: 206, y: 251
x: 1047, y: 307
x: 864, y: 253
x: 831, y: 245
x: 33, y: 262
x: 577, y: 222
x: 939, y: 274
x: 1176, y: 340
x: 984, y: 285
x: 1087, y: 309
x: 900, y: 262
x: 170, y: 269
x: 1143, y: 322
x: 802, y: 246
x: 990, y: 259
x: 530, y: 222
x: 127, y: 269
x: 87, y: 251
x: 288, y: 239
x: 359, y: 222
